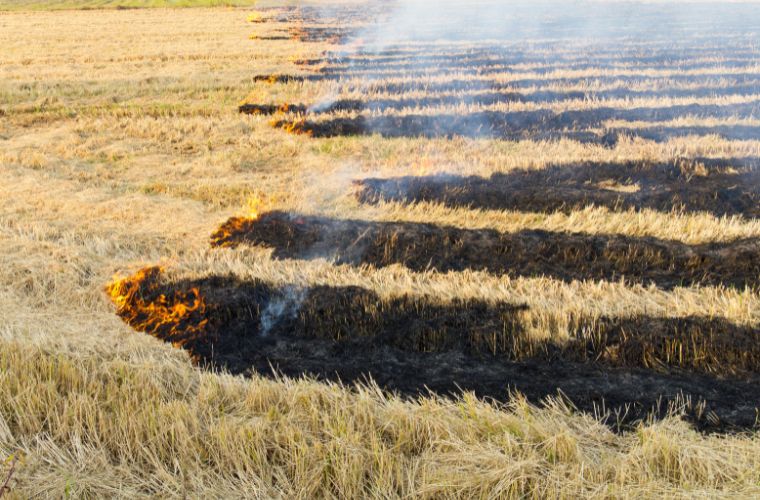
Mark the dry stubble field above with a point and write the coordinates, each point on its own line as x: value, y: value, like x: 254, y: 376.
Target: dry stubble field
x: 545, y: 213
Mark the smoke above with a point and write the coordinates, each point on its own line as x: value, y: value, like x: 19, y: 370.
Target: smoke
x: 518, y: 21
x: 281, y: 307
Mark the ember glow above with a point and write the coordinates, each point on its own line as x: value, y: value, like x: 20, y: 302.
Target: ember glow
x: 228, y: 233
x: 178, y: 317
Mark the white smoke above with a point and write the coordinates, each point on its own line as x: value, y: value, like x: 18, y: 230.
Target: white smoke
x: 281, y: 306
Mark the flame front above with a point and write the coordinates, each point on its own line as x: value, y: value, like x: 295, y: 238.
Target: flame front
x: 296, y: 127
x: 180, y: 317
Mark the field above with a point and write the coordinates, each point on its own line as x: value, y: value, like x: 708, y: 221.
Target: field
x: 348, y: 250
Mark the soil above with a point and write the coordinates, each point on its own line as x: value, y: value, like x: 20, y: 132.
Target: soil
x: 413, y: 345
x: 528, y: 253
x: 566, y: 188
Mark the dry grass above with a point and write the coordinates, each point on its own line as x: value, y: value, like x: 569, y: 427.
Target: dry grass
x: 121, y: 146
x: 45, y: 5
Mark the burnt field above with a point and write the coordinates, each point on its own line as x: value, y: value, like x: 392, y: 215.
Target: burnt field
x: 724, y: 187
x: 369, y: 249
x: 635, y: 366
x: 649, y: 129
x: 595, y: 92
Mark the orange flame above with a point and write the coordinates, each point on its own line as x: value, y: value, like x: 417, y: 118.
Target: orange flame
x: 225, y: 236
x: 423, y: 167
x: 254, y: 206
x: 228, y: 234
x: 179, y: 318
x: 297, y: 127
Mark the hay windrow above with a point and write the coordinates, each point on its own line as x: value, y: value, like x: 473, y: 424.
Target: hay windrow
x: 527, y: 253
x: 723, y: 187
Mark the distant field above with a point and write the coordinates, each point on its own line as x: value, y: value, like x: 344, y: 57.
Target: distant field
x: 19, y: 5
x: 191, y: 198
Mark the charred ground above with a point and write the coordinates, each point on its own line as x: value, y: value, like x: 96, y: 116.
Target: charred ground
x: 599, y: 95
x: 721, y: 187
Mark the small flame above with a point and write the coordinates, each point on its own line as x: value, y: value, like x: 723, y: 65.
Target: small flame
x: 254, y: 207
x: 226, y: 235
x: 423, y: 167
x: 256, y: 17
x: 297, y: 127
x: 180, y: 317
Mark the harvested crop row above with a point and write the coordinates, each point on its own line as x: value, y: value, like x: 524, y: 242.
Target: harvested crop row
x: 528, y: 253
x: 538, y: 124
x: 688, y: 186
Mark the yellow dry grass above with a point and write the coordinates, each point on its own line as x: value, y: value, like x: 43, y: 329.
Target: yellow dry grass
x: 121, y: 146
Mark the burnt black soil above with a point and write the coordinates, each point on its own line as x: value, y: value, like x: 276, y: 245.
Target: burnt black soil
x: 517, y: 125
x: 280, y: 78
x: 412, y: 345
x: 662, y: 187
x: 270, y: 109
x: 329, y: 34
x: 528, y: 253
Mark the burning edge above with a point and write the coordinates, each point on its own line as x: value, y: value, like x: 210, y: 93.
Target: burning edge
x: 209, y: 316
x: 415, y: 344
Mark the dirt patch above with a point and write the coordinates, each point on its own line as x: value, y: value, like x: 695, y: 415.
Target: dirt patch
x: 408, y: 344
x: 529, y: 253
x: 693, y: 186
